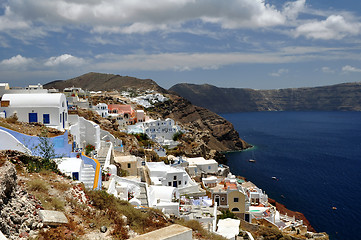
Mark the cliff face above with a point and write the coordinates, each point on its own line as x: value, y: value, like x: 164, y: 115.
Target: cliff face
x: 341, y: 97
x: 207, y: 131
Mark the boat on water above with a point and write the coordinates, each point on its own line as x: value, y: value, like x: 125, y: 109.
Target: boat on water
x: 334, y: 208
x: 274, y: 178
x: 252, y: 160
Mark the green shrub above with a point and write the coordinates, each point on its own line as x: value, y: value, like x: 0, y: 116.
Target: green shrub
x: 227, y: 214
x: 178, y: 135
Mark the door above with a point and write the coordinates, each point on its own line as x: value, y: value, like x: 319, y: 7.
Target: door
x: 33, y: 117
x: 46, y: 118
x: 175, y: 184
x: 216, y: 199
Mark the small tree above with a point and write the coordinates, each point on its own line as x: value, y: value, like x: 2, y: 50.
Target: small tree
x: 46, y: 151
x: 178, y: 135
x: 46, y: 147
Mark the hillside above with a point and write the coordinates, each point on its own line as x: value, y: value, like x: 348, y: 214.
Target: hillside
x: 340, y: 97
x: 208, y: 130
x: 105, y: 82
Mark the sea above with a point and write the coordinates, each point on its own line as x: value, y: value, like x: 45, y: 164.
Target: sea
x: 316, y: 158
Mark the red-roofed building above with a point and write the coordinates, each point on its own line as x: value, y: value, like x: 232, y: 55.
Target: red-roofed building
x: 125, y: 111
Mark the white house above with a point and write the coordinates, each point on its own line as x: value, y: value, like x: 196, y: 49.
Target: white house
x: 255, y: 194
x: 161, y: 129
x: 47, y: 108
x: 84, y: 132
x: 164, y: 198
x: 120, y: 119
x: 164, y: 175
x: 201, y: 165
x: 101, y: 109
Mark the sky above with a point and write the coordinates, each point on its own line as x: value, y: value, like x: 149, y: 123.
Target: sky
x: 259, y: 44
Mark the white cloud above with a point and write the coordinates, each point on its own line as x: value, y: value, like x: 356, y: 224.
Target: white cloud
x: 334, y: 27
x: 349, y: 68
x: 17, y: 61
x: 279, y: 72
x: 182, y: 61
x: 292, y: 9
x: 327, y: 70
x: 65, y: 59
x: 136, y: 16
x: 10, y: 21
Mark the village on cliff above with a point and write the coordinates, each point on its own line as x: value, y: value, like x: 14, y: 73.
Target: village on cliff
x: 190, y: 188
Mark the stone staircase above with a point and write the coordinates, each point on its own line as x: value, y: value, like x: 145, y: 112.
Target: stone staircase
x: 87, y: 176
x: 143, y: 196
x: 102, y: 154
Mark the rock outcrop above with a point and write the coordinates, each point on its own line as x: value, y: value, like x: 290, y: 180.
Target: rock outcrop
x: 18, y: 209
x: 206, y: 131
x: 340, y: 97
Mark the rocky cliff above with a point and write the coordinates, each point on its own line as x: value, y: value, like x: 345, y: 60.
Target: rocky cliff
x: 206, y: 131
x: 341, y: 97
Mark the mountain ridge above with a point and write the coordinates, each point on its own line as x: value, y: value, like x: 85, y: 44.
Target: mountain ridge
x: 338, y: 97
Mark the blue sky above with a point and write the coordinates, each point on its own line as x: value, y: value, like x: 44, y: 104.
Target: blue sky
x: 232, y: 43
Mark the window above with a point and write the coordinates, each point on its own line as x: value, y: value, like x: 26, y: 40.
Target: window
x: 129, y: 165
x: 235, y: 210
x: 179, y: 182
x: 222, y: 199
x: 175, y: 178
x: 170, y: 184
x: 235, y: 199
x: 209, y: 167
x: 46, y: 118
x: 185, y: 182
x: 60, y: 117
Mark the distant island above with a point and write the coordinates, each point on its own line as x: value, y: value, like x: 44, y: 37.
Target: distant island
x: 340, y: 97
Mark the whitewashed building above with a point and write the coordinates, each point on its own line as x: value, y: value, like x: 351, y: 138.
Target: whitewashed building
x: 200, y: 165
x: 84, y: 132
x: 101, y: 109
x: 47, y: 108
x: 164, y: 175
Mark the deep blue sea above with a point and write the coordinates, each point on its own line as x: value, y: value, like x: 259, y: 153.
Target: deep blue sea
x: 317, y: 158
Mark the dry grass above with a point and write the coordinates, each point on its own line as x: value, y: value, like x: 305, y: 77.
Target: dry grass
x: 140, y: 221
x: 33, y: 129
x: 38, y: 185
x: 2, y: 160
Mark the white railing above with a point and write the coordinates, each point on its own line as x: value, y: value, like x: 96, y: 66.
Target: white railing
x: 109, y: 155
